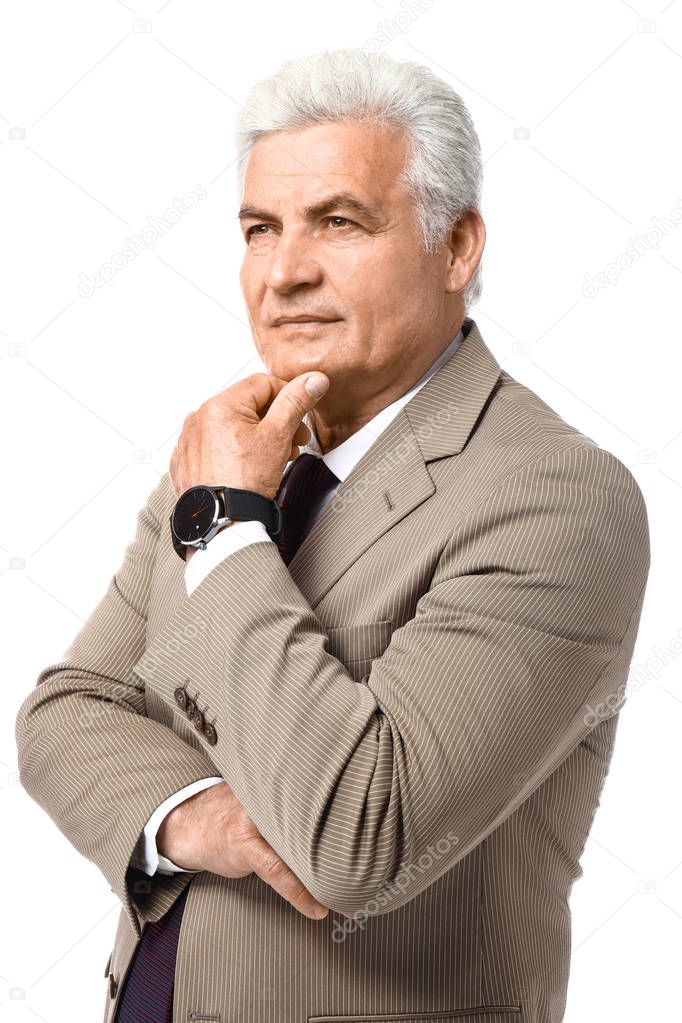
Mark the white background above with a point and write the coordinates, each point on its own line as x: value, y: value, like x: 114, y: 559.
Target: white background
x: 104, y: 121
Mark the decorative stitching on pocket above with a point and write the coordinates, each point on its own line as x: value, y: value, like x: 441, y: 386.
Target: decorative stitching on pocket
x: 477, y: 1013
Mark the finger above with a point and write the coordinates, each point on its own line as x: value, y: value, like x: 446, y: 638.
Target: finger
x: 257, y: 391
x: 302, y: 435
x: 294, y: 400
x: 272, y: 869
x: 173, y: 469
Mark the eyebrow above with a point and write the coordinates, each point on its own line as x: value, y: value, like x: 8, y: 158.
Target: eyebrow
x: 345, y: 200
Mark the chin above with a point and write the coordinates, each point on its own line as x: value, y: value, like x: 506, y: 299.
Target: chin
x: 301, y: 362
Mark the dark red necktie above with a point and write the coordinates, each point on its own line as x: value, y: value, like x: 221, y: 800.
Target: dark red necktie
x: 147, y: 996
x: 307, y: 480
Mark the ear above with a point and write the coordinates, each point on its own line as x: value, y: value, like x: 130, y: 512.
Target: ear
x: 465, y: 243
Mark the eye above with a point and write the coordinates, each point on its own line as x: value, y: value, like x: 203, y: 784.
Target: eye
x: 255, y: 229
x: 344, y: 219
x: 252, y: 229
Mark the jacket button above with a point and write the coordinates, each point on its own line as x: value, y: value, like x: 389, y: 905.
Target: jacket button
x: 113, y: 986
x: 198, y: 720
x: 181, y: 697
x: 210, y: 733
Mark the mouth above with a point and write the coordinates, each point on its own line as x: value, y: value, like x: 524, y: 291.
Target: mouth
x: 302, y: 321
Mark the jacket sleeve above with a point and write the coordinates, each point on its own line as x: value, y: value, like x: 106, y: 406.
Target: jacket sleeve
x: 88, y: 753
x: 529, y: 620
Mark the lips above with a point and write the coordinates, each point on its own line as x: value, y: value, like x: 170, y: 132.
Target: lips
x: 302, y: 319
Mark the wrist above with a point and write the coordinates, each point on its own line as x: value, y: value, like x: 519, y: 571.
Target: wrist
x: 164, y: 835
x: 169, y: 843
x: 191, y: 551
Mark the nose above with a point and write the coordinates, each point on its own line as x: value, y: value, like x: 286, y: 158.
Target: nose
x: 292, y: 263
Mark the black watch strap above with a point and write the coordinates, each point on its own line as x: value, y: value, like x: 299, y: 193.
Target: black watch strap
x: 246, y: 504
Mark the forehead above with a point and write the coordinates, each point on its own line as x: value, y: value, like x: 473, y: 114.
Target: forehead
x: 306, y: 164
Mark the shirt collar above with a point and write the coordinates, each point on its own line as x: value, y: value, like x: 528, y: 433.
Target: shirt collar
x: 346, y: 455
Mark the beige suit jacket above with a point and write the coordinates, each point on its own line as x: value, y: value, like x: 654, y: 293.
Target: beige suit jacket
x: 418, y: 714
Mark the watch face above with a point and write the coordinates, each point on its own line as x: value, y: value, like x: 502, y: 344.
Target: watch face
x: 195, y: 513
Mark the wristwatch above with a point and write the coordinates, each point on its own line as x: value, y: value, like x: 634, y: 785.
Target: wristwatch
x: 202, y: 511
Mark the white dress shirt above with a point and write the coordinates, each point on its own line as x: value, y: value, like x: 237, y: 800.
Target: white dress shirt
x: 341, y: 461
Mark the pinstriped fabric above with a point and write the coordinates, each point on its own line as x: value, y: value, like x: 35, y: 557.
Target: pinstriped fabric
x: 410, y: 712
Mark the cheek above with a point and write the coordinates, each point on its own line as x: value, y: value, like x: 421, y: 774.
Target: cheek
x: 375, y: 276
x: 246, y: 278
x: 251, y: 280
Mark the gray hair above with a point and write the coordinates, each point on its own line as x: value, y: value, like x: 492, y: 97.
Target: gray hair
x: 443, y: 171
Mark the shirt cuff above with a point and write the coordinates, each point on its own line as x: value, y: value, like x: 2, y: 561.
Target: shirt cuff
x: 147, y: 856
x: 224, y: 543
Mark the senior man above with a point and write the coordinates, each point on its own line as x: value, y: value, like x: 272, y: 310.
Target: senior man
x: 349, y: 718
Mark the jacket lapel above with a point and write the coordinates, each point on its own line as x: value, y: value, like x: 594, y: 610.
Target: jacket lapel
x: 392, y: 479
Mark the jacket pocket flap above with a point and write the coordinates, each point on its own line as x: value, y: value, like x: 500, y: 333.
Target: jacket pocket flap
x: 359, y: 642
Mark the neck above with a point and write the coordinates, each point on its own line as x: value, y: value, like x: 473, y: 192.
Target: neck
x: 331, y: 432
x: 334, y: 421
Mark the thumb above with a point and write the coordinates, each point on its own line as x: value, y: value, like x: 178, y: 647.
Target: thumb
x: 316, y: 384
x: 296, y: 398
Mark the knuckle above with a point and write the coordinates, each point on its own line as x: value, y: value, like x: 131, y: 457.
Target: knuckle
x: 272, y: 864
x: 295, y: 403
x: 249, y: 383
x: 206, y: 409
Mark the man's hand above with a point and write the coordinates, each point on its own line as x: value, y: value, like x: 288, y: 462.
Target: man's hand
x: 212, y: 831
x: 245, y: 435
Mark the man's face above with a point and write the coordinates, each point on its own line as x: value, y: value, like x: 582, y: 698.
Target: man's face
x: 361, y: 269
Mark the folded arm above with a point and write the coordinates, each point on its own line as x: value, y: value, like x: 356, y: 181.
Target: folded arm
x: 88, y: 753
x: 531, y: 615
